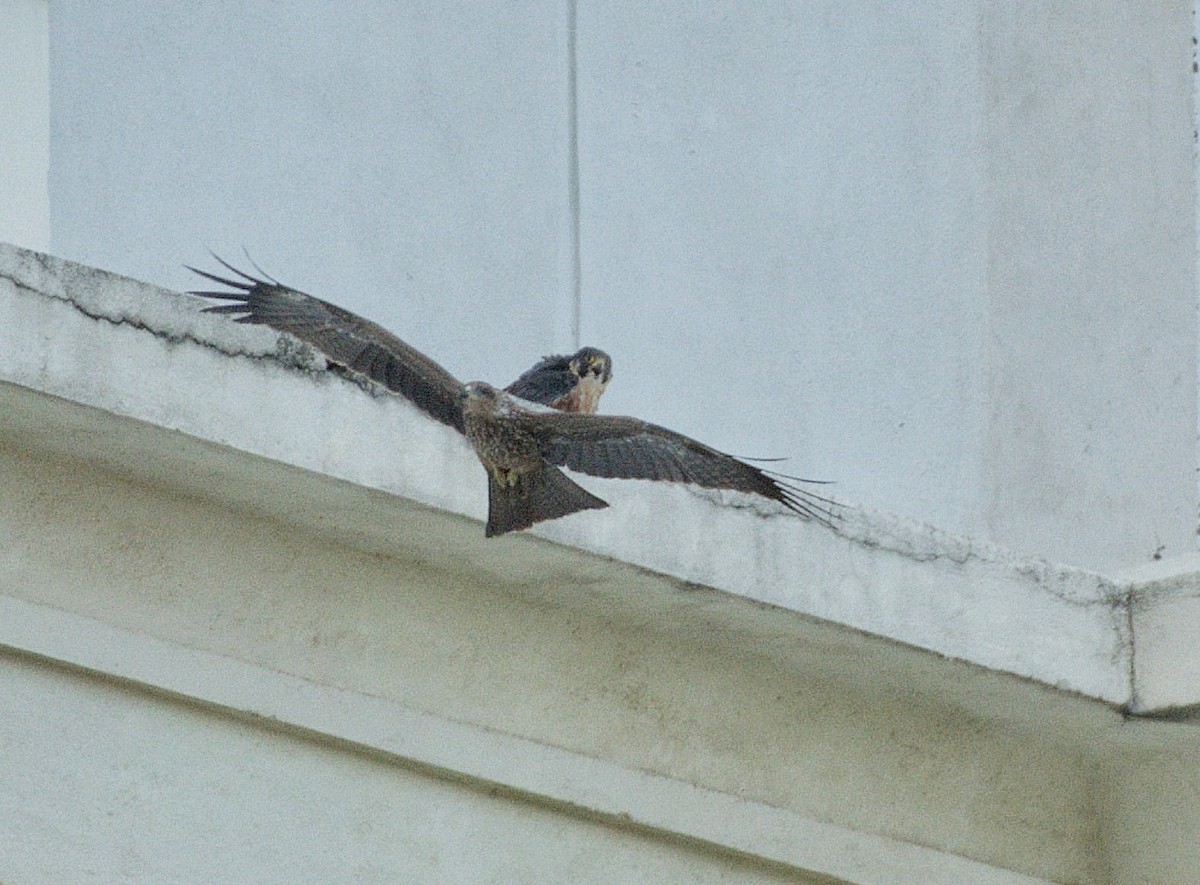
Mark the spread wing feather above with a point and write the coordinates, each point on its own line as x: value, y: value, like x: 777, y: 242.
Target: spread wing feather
x: 345, y: 338
x: 628, y: 448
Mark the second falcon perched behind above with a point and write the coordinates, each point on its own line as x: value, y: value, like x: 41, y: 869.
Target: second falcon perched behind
x: 521, y: 446
x: 567, y: 383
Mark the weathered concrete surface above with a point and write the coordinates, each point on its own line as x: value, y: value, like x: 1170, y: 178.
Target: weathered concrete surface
x: 174, y: 794
x: 212, y: 488
x: 129, y: 349
x: 1165, y: 619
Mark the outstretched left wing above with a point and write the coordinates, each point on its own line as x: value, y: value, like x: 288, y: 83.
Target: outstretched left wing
x: 344, y: 337
x: 628, y: 448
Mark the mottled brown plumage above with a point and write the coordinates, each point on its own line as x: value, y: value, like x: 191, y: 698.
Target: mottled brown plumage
x: 509, y: 436
x: 520, y: 445
x: 522, y: 487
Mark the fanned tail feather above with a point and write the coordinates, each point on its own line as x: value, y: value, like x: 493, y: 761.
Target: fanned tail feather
x: 543, y: 494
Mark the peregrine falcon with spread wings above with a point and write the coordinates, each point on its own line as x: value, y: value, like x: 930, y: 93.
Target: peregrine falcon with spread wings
x: 521, y: 445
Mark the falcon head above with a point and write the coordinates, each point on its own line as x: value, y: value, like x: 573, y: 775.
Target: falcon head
x: 592, y: 362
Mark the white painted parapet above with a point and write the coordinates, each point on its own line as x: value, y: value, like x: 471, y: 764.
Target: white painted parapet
x: 144, y: 353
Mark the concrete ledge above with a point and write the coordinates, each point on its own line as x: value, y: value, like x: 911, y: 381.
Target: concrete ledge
x: 1164, y: 600
x: 142, y: 353
x: 462, y: 751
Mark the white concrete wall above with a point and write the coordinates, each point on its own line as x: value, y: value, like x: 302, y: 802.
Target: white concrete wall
x: 410, y: 160
x: 783, y: 225
x: 105, y: 784
x: 944, y: 253
x: 1091, y: 265
x: 24, y: 123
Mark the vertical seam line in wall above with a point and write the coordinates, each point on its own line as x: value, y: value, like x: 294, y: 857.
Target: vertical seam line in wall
x: 1196, y: 255
x: 1130, y: 600
x: 573, y: 174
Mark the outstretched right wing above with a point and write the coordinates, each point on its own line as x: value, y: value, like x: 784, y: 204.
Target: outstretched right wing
x: 629, y: 448
x: 345, y: 338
